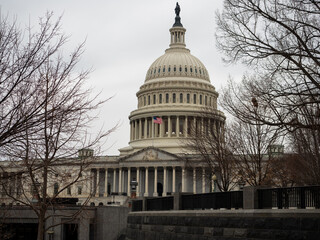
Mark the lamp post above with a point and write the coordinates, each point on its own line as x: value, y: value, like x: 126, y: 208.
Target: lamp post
x: 133, y: 185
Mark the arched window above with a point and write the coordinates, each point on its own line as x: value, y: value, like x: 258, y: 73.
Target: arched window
x: 174, y: 69
x: 173, y: 97
x: 186, y: 69
x: 159, y: 70
x: 154, y: 99
x: 200, y: 100
x: 149, y: 100
x: 181, y: 97
x: 190, y: 69
x: 167, y: 97
x: 160, y: 98
x: 188, y: 98
x: 180, y: 69
x: 206, y: 100
x: 169, y: 69
x: 194, y: 98
x: 195, y: 69
x: 164, y: 69
x: 144, y: 100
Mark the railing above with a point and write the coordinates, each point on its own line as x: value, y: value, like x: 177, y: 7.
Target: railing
x: 159, y: 204
x: 216, y: 200
x: 137, y: 205
x: 294, y: 197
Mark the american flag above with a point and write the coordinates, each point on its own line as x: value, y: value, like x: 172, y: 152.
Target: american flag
x: 157, y: 120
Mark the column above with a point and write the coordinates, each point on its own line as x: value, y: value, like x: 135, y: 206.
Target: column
x: 138, y: 182
x: 164, y: 181
x: 203, y: 180
x: 177, y: 126
x: 152, y: 129
x: 91, y: 181
x: 161, y: 128
x: 120, y: 180
x: 145, y: 127
x: 146, y: 193
x: 183, y: 179
x: 155, y: 193
x: 114, y: 179
x: 130, y: 131
x: 194, y: 180
x: 140, y: 128
x: 169, y: 126
x: 186, y: 126
x: 129, y: 181
x: 195, y: 125
x: 106, y: 183
x: 98, y: 188
x: 136, y: 130
x: 173, y: 179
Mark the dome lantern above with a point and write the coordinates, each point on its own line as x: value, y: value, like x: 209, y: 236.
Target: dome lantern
x: 177, y: 32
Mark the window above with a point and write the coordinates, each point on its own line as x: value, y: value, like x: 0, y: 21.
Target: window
x: 154, y: 99
x: 69, y: 190
x: 159, y: 70
x: 144, y: 100
x: 206, y: 100
x: 149, y: 100
x: 190, y: 69
x: 160, y: 98
x: 180, y: 69
x: 186, y: 69
x: 188, y: 98
x: 174, y: 69
x: 174, y: 98
x: 56, y: 188
x: 164, y: 69
x: 200, y: 71
x: 167, y: 97
x: 79, y: 190
x: 200, y: 100
x: 194, y: 98
x: 181, y: 97
x: 195, y: 69
x: 169, y: 69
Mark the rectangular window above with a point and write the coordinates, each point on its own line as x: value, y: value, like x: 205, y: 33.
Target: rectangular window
x: 144, y: 100
x: 194, y: 98
x: 154, y: 99
x: 174, y: 98
x: 206, y: 100
x: 160, y: 98
x: 167, y: 97
x: 188, y: 98
x: 181, y: 98
x: 200, y: 100
x: 149, y: 100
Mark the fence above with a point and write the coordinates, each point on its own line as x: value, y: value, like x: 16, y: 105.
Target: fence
x: 137, y: 205
x: 159, y: 204
x: 293, y: 197
x: 216, y: 200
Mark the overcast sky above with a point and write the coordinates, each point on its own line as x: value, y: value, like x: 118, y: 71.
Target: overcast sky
x: 123, y: 38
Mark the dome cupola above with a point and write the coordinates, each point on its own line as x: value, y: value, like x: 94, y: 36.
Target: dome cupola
x: 172, y: 99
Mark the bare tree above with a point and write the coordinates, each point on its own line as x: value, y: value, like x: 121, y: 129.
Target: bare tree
x: 49, y: 111
x: 210, y: 139
x: 278, y: 40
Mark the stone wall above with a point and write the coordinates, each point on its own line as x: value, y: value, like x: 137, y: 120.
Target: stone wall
x: 225, y: 224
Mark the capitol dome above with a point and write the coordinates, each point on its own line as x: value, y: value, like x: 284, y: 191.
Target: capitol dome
x: 172, y: 100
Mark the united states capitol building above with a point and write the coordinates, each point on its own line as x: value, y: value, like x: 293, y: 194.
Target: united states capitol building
x: 156, y: 161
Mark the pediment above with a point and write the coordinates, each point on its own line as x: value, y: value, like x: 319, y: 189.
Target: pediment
x: 150, y: 154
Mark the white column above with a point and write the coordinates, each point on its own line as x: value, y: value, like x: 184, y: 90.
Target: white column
x: 146, y: 192
x: 114, y: 179
x: 155, y: 193
x: 140, y: 128
x: 183, y: 179
x: 152, y: 129
x: 120, y: 180
x: 185, y: 126
x: 136, y: 130
x: 145, y: 128
x: 173, y: 179
x: 129, y: 180
x: 194, y: 180
x: 106, y: 183
x: 164, y: 181
x: 203, y: 180
x: 138, y: 182
x: 161, y: 128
